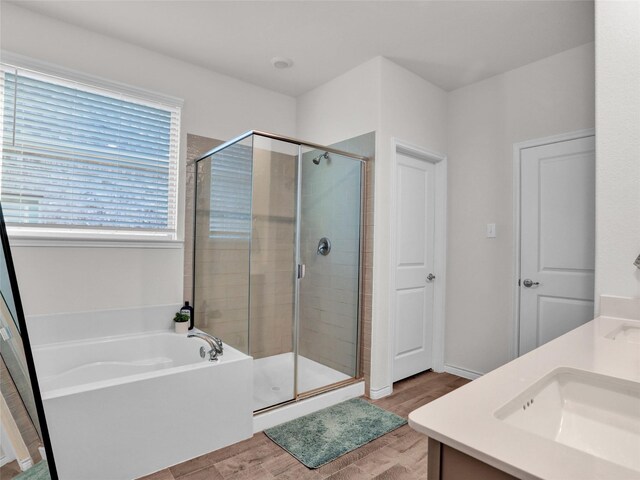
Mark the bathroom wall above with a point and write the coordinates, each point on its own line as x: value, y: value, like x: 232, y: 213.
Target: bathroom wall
x: 350, y: 103
x: 618, y: 147
x: 381, y: 96
x: 345, y: 107
x: 413, y: 111
x: 552, y: 96
x: 476, y: 127
x: 56, y: 278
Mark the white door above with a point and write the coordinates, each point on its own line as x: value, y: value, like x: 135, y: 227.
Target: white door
x: 557, y: 239
x: 414, y: 275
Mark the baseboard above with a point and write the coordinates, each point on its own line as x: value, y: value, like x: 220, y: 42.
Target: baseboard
x: 25, y: 464
x: 462, y: 372
x: 375, y: 394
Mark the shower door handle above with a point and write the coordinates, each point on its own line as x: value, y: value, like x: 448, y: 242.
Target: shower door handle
x: 301, y: 270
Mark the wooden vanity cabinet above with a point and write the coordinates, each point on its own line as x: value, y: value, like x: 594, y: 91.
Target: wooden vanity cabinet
x: 446, y: 463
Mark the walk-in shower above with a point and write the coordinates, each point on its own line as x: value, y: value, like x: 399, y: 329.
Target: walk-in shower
x: 277, y: 260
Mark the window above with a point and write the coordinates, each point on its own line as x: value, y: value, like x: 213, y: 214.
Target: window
x: 78, y: 159
x: 230, y: 209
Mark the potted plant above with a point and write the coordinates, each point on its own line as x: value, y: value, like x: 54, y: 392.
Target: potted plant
x: 181, y: 322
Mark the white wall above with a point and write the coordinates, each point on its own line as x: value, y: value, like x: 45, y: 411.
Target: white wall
x: 382, y: 96
x: 413, y: 111
x: 69, y: 279
x: 552, y: 96
x: 617, y: 147
x: 345, y: 107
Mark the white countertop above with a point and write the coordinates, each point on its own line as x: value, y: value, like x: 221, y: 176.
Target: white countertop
x: 464, y: 419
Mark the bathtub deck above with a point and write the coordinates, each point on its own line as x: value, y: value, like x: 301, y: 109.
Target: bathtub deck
x: 398, y: 455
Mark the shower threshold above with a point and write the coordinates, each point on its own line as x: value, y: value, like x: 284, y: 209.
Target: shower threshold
x: 273, y: 379
x: 325, y: 387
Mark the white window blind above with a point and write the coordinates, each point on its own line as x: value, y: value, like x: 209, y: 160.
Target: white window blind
x: 230, y: 209
x: 79, y: 158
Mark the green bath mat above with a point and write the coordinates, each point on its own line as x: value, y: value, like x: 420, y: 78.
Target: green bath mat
x: 323, y: 436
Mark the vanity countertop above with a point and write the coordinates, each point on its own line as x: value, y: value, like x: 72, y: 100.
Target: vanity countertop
x: 465, y: 418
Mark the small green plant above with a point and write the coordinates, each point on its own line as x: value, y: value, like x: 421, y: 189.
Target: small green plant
x: 181, y: 317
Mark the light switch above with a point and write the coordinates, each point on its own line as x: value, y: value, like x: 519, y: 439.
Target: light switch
x: 491, y: 230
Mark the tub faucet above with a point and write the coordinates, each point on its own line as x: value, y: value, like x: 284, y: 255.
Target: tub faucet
x: 214, y: 342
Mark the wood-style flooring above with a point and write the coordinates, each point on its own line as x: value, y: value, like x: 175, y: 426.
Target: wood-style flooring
x: 398, y: 455
x: 22, y: 419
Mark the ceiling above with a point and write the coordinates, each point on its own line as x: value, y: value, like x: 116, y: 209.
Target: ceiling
x: 449, y: 43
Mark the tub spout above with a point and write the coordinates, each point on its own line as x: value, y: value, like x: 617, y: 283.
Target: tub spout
x: 217, y: 342
x: 214, y: 342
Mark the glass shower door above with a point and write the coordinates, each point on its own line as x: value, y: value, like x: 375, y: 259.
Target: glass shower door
x: 273, y: 271
x: 329, y: 248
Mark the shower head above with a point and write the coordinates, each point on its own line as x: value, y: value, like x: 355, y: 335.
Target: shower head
x: 316, y: 160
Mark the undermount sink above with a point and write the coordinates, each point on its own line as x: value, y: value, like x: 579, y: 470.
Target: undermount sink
x: 593, y: 413
x: 625, y: 333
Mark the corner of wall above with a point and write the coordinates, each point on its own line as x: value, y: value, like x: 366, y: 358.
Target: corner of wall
x: 618, y: 148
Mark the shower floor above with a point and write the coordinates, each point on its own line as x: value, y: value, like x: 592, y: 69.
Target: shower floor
x: 273, y: 378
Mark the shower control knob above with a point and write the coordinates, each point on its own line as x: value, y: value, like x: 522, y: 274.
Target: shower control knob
x: 324, y: 246
x: 431, y: 277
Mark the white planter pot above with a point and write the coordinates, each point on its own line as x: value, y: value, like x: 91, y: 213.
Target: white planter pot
x: 181, y: 327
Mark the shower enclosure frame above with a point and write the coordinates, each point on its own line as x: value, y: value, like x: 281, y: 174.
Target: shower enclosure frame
x: 297, y: 396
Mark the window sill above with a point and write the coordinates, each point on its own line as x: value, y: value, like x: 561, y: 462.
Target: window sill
x: 17, y: 240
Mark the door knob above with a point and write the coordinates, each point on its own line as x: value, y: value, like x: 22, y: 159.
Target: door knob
x: 527, y: 282
x: 431, y: 277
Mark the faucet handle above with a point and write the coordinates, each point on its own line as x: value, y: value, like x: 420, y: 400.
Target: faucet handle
x: 216, y: 341
x: 219, y: 345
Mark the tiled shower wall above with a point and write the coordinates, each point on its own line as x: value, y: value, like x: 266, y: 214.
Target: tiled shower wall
x: 329, y: 291
x: 272, y: 253
x: 196, y: 147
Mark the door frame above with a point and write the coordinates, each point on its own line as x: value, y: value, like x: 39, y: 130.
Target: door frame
x: 439, y: 247
x: 514, y: 347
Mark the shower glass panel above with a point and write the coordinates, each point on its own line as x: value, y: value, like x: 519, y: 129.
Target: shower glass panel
x: 330, y: 251
x: 222, y: 244
x: 273, y: 271
x: 277, y: 259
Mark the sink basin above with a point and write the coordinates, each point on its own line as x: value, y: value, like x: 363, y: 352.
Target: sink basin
x: 625, y: 333
x: 594, y: 413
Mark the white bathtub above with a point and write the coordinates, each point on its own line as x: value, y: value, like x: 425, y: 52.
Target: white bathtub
x: 123, y: 407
